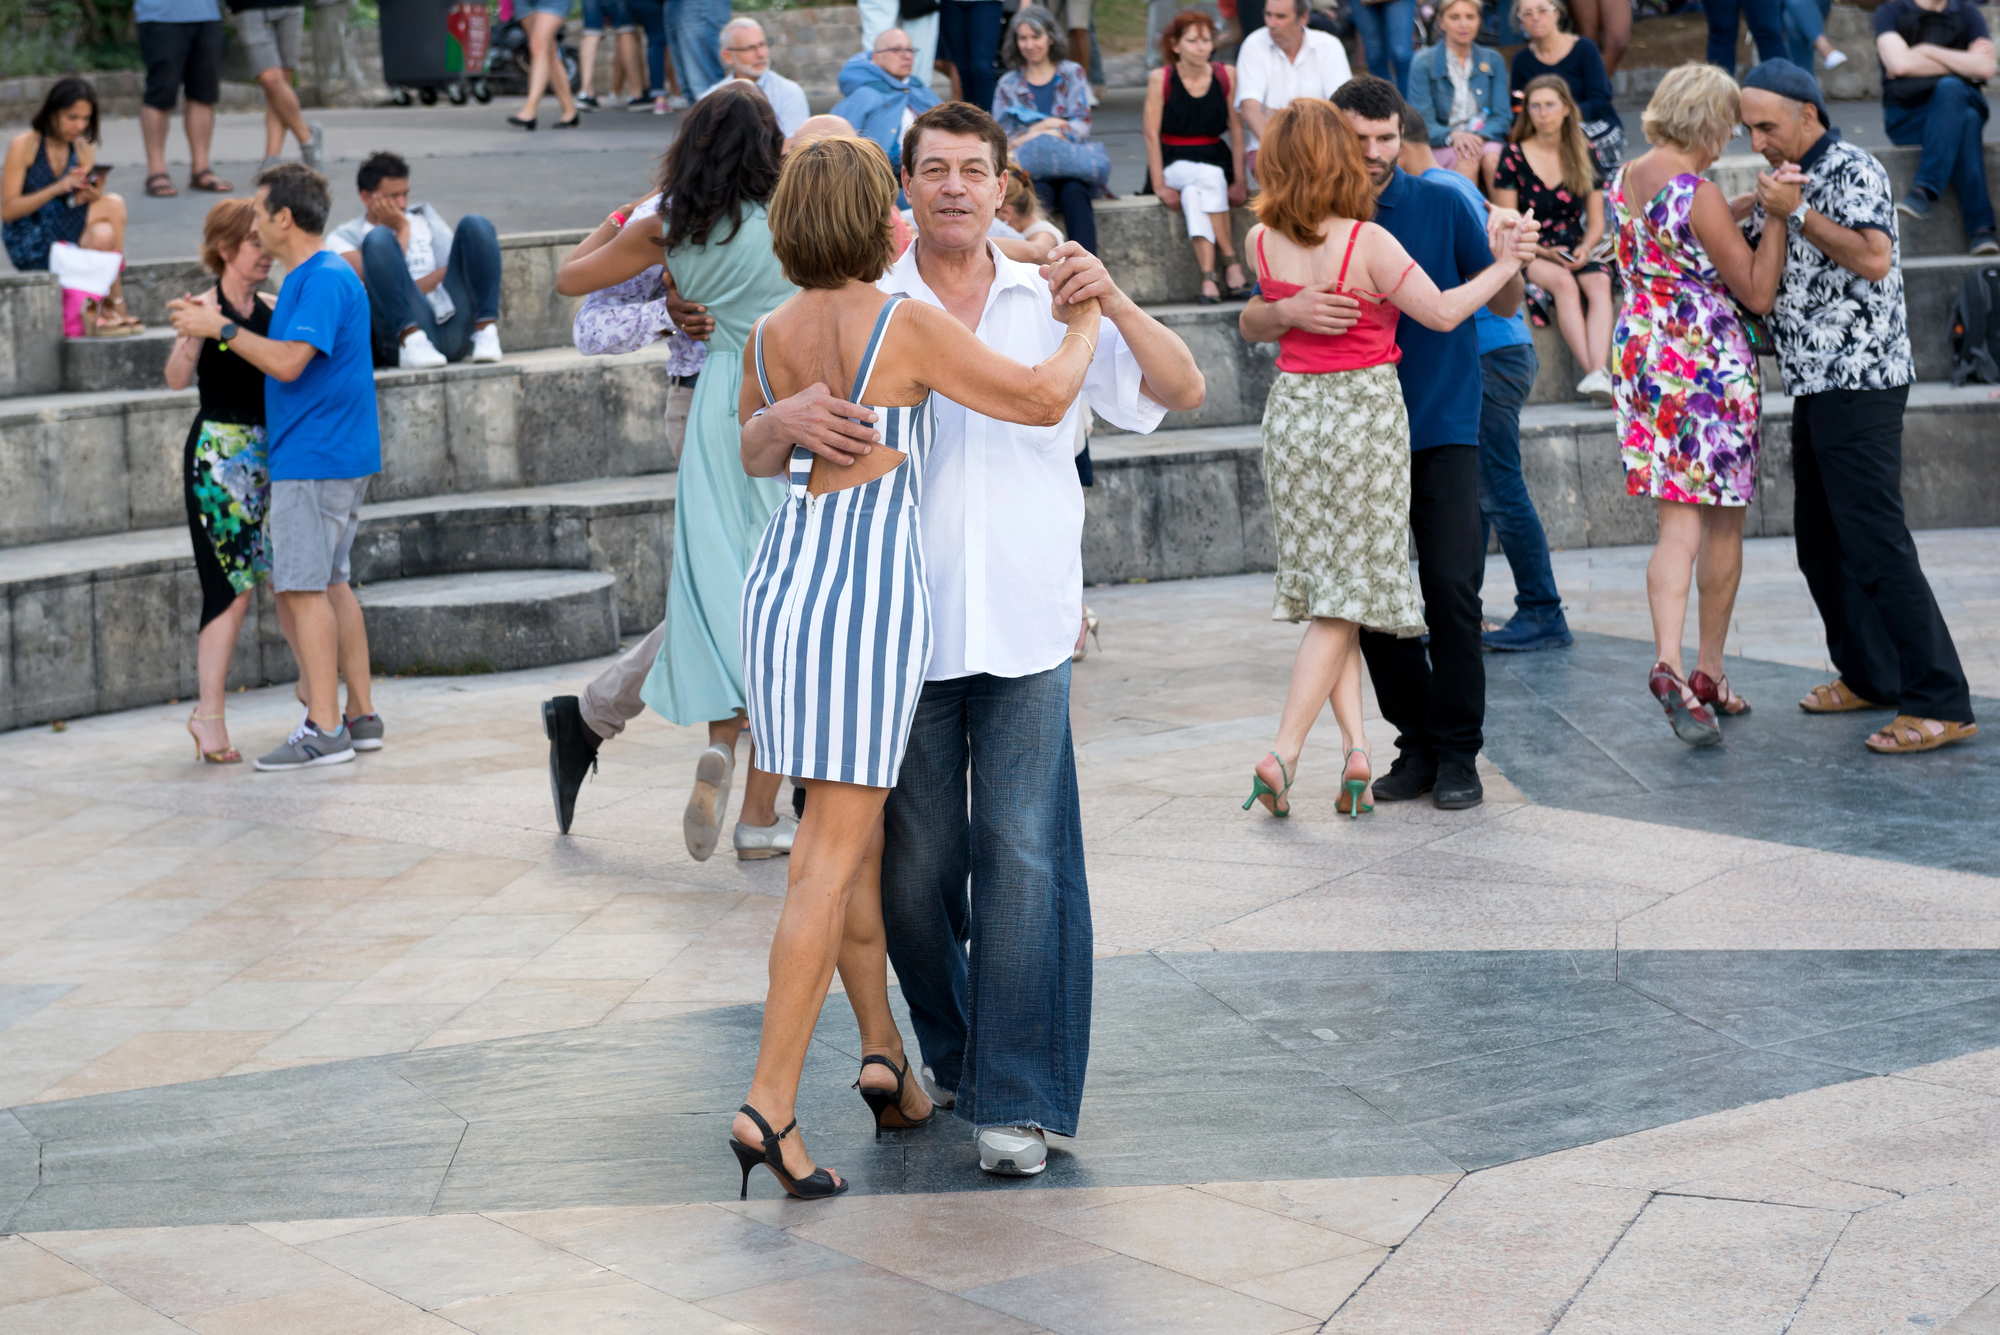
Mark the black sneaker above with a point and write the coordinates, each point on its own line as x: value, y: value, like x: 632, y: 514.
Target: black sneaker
x: 1457, y: 786
x: 1408, y: 779
x: 572, y: 754
x: 1915, y: 205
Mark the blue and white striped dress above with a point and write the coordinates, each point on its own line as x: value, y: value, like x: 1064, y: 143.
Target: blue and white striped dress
x: 836, y: 610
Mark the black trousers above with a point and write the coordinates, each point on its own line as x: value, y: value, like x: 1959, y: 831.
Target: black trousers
x: 1883, y: 628
x: 1437, y: 699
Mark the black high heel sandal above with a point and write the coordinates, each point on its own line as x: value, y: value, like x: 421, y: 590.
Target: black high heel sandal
x: 885, y: 1104
x: 818, y: 1186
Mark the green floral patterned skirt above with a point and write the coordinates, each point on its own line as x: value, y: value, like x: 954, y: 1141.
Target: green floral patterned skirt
x: 229, y: 491
x: 1337, y: 468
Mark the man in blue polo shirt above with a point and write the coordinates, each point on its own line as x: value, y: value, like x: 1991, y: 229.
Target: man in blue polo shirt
x: 324, y: 441
x: 1507, y: 368
x: 1437, y: 701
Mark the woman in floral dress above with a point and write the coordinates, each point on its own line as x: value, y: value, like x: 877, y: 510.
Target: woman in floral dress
x: 1684, y: 380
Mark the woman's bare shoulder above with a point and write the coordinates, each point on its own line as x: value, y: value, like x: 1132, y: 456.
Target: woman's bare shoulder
x: 22, y: 145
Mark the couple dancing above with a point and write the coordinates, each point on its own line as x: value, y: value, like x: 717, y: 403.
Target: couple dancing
x: 907, y: 622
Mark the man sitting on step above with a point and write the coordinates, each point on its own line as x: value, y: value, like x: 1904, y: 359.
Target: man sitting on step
x: 433, y: 289
x: 1935, y: 55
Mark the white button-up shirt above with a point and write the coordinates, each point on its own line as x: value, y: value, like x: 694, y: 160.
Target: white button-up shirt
x: 787, y: 99
x: 1002, y: 507
x: 1265, y: 76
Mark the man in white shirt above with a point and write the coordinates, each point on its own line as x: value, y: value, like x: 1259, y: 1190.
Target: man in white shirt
x: 1282, y: 61
x: 1003, y: 528
x: 746, y: 55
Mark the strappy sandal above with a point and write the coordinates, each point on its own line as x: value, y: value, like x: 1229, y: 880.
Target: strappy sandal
x: 1236, y: 292
x: 1258, y: 788
x: 206, y: 180
x: 1349, y: 802
x: 1836, y: 697
x: 161, y: 186
x: 1209, y: 276
x: 1906, y: 735
x: 888, y: 1106
x: 227, y: 755
x: 816, y: 1186
x: 1715, y: 692
x: 1690, y: 718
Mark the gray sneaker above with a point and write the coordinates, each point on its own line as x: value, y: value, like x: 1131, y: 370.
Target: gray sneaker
x: 308, y: 746
x: 269, y: 162
x: 701, y: 823
x: 366, y: 731
x: 313, y: 151
x: 1013, y: 1151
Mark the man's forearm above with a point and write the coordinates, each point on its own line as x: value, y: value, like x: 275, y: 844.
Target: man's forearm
x: 1858, y: 252
x: 1508, y: 299
x: 279, y: 360
x: 765, y: 449
x: 1974, y: 66
x: 1166, y: 367
x: 1253, y: 117
x: 1914, y: 65
x: 1261, y: 323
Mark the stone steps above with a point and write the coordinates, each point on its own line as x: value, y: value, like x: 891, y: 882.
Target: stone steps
x: 109, y: 622
x: 489, y: 621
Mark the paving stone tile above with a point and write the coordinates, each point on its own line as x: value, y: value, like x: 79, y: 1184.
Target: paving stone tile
x: 324, y: 957
x: 241, y: 1006
x: 1207, y: 1237
x: 161, y: 1058
x: 949, y: 1242
x: 607, y: 955
x: 449, y: 1258
x: 1318, y: 1289
x: 1119, y: 1293
x: 1381, y: 1210
x: 692, y: 1252
x: 100, y: 1310
x: 362, y: 1030
x: 182, y: 1271
x: 605, y: 1309
x: 857, y: 1300
x: 343, y: 1307
x: 147, y: 985
x: 28, y: 1273
x: 489, y: 935
x: 300, y: 1232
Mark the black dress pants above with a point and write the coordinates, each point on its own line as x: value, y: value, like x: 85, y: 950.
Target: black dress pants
x: 1437, y: 699
x: 1884, y: 631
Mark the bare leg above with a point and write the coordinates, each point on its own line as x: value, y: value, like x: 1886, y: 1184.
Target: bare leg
x: 586, y: 57
x: 1322, y: 655
x: 864, y: 972
x: 213, y: 650
x: 281, y: 112
x: 199, y: 121
x: 1560, y: 284
x: 1204, y: 262
x: 353, y: 648
x: 315, y: 638
x: 1225, y: 241
x: 1615, y: 31
x: 1346, y: 702
x: 1718, y: 572
x: 841, y: 824
x: 1598, y: 311
x: 1079, y: 48
x: 545, y: 71
x: 104, y: 229
x: 153, y: 126
x: 1669, y: 574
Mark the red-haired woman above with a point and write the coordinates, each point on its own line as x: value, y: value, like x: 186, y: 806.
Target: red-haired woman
x: 1336, y: 437
x: 1194, y: 146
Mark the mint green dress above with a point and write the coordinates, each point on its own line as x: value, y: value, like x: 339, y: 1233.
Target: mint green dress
x: 719, y: 512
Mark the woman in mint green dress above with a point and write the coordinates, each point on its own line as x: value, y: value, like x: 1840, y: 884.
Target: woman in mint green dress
x: 715, y: 180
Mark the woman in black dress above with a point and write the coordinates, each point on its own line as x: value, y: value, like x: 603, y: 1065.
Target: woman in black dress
x: 1194, y: 146
x: 226, y: 479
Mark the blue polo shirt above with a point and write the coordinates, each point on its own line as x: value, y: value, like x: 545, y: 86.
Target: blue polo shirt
x: 323, y: 424
x: 1439, y: 372
x: 1494, y: 332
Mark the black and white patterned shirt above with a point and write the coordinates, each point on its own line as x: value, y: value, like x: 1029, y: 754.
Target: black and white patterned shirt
x: 1834, y: 328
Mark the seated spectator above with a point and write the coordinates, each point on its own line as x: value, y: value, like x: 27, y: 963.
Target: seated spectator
x: 881, y: 94
x: 1018, y: 227
x: 1194, y: 147
x: 433, y: 290
x: 51, y: 190
x: 746, y: 55
x: 1935, y: 54
x: 1550, y: 50
x: 1040, y: 96
x: 1548, y: 168
x: 1460, y: 89
x: 1281, y: 61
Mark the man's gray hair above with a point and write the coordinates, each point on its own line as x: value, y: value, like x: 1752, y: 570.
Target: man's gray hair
x: 734, y: 26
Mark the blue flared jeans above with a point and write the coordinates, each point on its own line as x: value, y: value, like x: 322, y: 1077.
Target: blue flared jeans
x: 984, y: 898
x: 1507, y: 375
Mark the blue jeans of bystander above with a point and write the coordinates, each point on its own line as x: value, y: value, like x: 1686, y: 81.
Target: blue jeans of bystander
x: 698, y: 38
x: 1767, y: 30
x: 1949, y: 127
x: 1804, y: 24
x: 1006, y: 1024
x: 651, y: 17
x: 471, y: 276
x: 1504, y: 504
x: 969, y: 37
x: 1388, y: 39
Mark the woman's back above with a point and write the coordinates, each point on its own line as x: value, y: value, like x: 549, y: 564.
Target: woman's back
x: 735, y: 275
x: 1342, y: 261
x: 1656, y: 239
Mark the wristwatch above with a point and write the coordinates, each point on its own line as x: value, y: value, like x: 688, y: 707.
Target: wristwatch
x: 1796, y: 219
x: 229, y: 331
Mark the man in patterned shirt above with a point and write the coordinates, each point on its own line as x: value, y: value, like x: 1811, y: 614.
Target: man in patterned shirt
x: 1845, y: 352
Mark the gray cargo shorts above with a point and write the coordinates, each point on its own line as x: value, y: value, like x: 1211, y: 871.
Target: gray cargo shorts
x: 270, y: 37
x: 311, y: 531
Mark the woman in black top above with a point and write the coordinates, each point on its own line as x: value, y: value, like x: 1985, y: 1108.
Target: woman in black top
x: 226, y: 479
x: 1194, y: 146
x: 1550, y: 50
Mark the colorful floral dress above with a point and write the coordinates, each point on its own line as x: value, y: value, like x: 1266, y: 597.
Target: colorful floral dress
x: 1684, y: 381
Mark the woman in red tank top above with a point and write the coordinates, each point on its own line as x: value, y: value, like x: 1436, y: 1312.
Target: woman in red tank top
x: 1336, y: 437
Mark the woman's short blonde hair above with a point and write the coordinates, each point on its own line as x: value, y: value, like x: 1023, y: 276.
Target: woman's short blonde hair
x: 1696, y: 109
x: 227, y: 227
x: 830, y: 213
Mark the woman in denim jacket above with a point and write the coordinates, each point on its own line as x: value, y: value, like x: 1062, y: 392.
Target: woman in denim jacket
x: 1460, y: 89
x: 1040, y: 95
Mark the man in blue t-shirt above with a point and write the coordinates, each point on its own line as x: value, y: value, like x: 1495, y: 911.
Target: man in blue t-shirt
x: 1507, y: 368
x: 324, y: 442
x: 1437, y: 701
x: 1935, y: 55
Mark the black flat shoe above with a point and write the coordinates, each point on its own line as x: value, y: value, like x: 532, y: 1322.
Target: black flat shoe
x: 887, y: 1106
x: 1456, y: 787
x: 575, y: 119
x: 1409, y: 778
x: 527, y: 124
x: 572, y: 754
x: 819, y: 1185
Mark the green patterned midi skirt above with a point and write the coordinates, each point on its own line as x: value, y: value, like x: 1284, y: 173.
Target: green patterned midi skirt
x: 1337, y: 468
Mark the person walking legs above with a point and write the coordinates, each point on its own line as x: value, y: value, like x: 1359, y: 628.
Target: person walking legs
x: 1506, y: 508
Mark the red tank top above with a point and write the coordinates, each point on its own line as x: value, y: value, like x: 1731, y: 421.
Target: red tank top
x: 1372, y: 342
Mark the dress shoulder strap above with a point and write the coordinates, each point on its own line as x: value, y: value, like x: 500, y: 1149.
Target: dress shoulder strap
x: 1220, y: 72
x: 1263, y: 269
x: 763, y: 381
x: 874, y: 348
x: 1348, y: 254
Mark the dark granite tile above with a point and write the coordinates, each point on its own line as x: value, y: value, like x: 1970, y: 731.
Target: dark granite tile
x: 20, y: 1166
x: 1907, y: 1040
x: 1757, y: 1015
x: 226, y: 1198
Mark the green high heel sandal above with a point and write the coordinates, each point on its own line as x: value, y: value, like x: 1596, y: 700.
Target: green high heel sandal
x: 1352, y: 789
x: 1258, y: 788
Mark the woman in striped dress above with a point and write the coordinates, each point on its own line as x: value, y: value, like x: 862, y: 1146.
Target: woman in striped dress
x: 836, y: 612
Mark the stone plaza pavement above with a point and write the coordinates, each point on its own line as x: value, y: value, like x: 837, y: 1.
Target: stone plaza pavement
x: 371, y: 1049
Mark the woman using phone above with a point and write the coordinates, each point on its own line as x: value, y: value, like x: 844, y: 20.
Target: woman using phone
x: 51, y: 190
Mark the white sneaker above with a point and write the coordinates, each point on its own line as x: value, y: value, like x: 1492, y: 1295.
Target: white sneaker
x: 942, y: 1097
x: 1596, y: 387
x: 754, y: 842
x: 1835, y: 60
x: 1013, y: 1151
x: 486, y: 343
x: 418, y: 353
